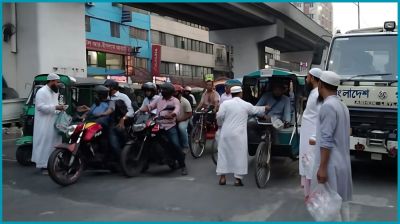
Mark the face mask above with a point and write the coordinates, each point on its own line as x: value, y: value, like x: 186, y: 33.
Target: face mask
x: 54, y: 88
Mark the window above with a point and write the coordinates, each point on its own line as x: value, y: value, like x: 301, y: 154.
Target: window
x: 311, y: 5
x: 115, y: 61
x: 209, y: 49
x: 155, y: 37
x: 203, y: 47
x: 87, y: 23
x: 114, y: 29
x: 163, y: 68
x: 92, y: 58
x: 169, y: 40
x: 138, y: 33
x: 189, y: 44
x: 141, y: 63
x: 219, y: 55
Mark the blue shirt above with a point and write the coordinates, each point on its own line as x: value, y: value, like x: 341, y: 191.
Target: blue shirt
x: 101, y: 108
x: 280, y: 108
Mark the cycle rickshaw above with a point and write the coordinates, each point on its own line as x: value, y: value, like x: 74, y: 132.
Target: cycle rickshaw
x: 264, y: 140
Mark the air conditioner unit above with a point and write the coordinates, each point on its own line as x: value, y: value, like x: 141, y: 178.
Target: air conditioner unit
x: 89, y: 3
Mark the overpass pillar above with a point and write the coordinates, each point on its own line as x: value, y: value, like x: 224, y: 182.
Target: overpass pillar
x: 248, y: 46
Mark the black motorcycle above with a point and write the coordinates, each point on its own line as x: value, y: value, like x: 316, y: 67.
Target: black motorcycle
x: 147, y: 144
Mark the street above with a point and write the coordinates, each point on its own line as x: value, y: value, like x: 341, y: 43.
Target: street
x: 161, y: 195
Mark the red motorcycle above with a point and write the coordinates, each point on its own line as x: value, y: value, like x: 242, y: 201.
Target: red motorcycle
x: 88, y: 147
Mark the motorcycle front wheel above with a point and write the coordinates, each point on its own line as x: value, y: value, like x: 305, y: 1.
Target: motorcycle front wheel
x: 130, y: 164
x: 59, y: 169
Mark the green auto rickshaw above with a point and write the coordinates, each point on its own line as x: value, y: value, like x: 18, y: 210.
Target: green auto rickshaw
x: 74, y: 91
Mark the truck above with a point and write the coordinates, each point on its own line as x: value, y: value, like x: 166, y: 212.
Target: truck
x: 366, y: 60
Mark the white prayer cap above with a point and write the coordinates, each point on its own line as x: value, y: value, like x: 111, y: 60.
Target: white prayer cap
x: 330, y: 78
x: 53, y: 76
x: 236, y: 89
x: 316, y: 72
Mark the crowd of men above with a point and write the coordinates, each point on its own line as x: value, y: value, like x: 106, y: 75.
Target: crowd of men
x: 324, y: 112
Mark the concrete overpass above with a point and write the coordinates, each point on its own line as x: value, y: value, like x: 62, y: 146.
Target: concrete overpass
x: 249, y: 27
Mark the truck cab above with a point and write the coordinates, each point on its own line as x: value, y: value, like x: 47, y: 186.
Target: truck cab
x: 366, y: 59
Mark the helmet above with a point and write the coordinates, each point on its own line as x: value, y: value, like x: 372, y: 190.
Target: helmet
x: 110, y: 83
x: 149, y: 86
x: 168, y: 88
x: 101, y: 91
x: 188, y: 88
x: 178, y: 88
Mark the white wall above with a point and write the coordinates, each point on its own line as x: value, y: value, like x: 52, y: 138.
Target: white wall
x: 167, y: 26
x: 48, y: 35
x: 182, y: 56
x: 62, y: 42
x: 9, y: 59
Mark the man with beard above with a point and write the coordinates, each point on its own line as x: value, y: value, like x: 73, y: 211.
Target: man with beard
x: 168, y: 124
x: 45, y: 136
x: 308, y: 129
x: 278, y: 103
x: 332, y: 160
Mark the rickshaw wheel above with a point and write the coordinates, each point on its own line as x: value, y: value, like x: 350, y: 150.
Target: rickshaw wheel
x: 214, y: 154
x: 24, y: 155
x: 263, y: 162
x: 198, y: 141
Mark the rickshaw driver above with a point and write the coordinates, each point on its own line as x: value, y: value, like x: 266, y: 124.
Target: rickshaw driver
x: 279, y: 104
x: 209, y: 98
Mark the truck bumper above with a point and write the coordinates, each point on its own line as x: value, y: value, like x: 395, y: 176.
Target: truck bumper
x: 376, y: 147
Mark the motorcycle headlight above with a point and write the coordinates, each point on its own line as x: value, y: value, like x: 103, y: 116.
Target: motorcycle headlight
x: 139, y: 127
x: 71, y: 130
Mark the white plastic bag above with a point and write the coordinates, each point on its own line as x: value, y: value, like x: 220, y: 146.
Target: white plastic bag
x: 323, y: 203
x: 62, y: 122
x: 307, y: 159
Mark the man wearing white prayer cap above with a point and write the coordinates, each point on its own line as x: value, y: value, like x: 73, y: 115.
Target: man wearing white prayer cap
x: 332, y: 160
x: 45, y: 136
x: 308, y: 130
x: 232, y: 143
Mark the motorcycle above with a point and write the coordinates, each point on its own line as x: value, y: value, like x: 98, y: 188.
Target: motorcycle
x: 146, y: 145
x: 88, y: 147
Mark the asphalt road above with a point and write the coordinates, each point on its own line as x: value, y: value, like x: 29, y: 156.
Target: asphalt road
x: 162, y: 195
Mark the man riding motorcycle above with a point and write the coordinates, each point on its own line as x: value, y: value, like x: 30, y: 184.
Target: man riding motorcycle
x: 168, y: 121
x: 100, y: 105
x: 150, y: 91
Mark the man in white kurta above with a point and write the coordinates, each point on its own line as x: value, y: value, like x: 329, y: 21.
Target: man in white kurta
x: 332, y: 163
x: 308, y: 128
x: 45, y: 136
x: 232, y: 145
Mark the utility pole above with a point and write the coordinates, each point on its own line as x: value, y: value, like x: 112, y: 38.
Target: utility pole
x: 358, y: 13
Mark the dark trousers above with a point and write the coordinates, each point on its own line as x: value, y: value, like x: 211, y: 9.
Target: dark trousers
x: 117, y: 139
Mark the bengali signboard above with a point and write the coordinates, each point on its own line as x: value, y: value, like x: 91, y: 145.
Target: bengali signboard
x: 155, y: 60
x: 108, y: 47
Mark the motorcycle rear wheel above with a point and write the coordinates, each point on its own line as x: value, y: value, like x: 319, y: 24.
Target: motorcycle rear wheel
x: 130, y: 166
x: 60, y: 172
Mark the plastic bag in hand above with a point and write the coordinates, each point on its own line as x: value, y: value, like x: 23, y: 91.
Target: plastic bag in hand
x: 323, y: 203
x: 62, y: 123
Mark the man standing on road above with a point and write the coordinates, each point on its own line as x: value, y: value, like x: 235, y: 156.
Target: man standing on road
x: 185, y: 114
x: 45, y: 136
x: 232, y: 144
x: 308, y: 127
x: 332, y: 164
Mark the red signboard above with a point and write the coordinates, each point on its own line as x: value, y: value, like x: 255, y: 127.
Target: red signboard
x: 108, y: 47
x: 155, y: 60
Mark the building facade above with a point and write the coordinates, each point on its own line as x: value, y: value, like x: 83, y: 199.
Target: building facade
x: 117, y: 41
x: 322, y: 13
x: 186, y: 52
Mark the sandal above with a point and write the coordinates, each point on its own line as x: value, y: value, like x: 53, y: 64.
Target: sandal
x: 238, y: 183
